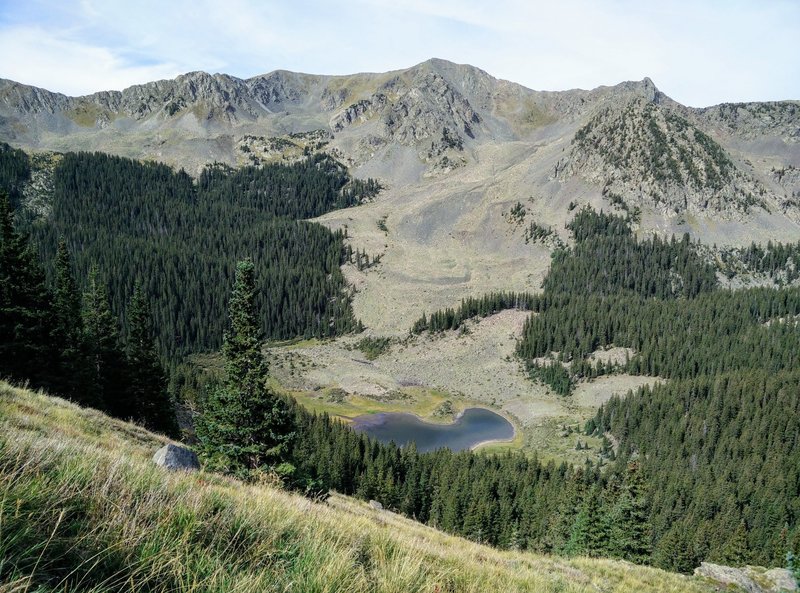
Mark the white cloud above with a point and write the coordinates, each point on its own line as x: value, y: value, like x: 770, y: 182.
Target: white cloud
x: 70, y: 67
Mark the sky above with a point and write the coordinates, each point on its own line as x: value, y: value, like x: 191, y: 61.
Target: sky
x: 700, y: 52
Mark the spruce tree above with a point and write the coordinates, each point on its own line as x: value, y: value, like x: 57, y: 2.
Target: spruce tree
x: 73, y: 373
x: 588, y: 535
x: 244, y: 426
x: 106, y: 361
x: 630, y: 526
x: 147, y: 389
x: 735, y: 550
x: 26, y: 318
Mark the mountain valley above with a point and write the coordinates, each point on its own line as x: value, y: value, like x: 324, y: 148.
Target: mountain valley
x: 616, y: 274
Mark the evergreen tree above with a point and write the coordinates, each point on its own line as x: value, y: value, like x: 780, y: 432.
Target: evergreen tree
x: 144, y: 220
x: 68, y: 332
x: 735, y: 552
x: 26, y: 320
x: 675, y: 552
x: 629, y: 528
x: 148, y: 398
x: 106, y: 361
x: 244, y: 425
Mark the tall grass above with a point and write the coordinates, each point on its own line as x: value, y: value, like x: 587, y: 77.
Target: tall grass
x: 82, y: 508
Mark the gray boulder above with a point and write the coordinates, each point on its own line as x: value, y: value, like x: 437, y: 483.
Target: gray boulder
x: 752, y: 579
x: 376, y: 505
x: 176, y: 458
x: 727, y: 576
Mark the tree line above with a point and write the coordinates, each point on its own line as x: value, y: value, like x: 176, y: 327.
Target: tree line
x: 699, y: 433
x: 470, y: 307
x: 607, y: 259
x: 145, y: 222
x: 725, y: 451
x: 729, y: 358
x: 715, y: 446
x: 720, y: 436
x: 779, y: 261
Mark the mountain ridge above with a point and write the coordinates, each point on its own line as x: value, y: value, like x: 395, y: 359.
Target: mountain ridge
x: 456, y: 150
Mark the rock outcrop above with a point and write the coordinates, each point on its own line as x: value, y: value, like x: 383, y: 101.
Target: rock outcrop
x: 645, y: 153
x: 750, y: 579
x: 175, y: 458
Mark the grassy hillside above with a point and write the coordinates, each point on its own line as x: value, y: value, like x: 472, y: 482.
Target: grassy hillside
x: 83, y: 509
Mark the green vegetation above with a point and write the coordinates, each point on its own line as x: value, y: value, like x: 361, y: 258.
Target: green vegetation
x: 244, y: 427
x: 373, y: 347
x: 724, y: 448
x: 509, y: 500
x: 445, y: 410
x: 145, y: 222
x: 82, y: 508
x: 50, y: 340
x: 473, y: 307
x: 338, y: 404
x: 517, y: 214
x: 664, y: 146
x: 731, y: 359
x: 360, y: 259
x: 14, y: 171
x: 554, y: 374
x: 779, y: 262
x: 793, y: 566
x: 680, y: 326
x: 305, y: 189
x: 536, y: 233
x: 666, y: 152
x: 723, y: 428
x: 382, y: 224
x: 608, y: 259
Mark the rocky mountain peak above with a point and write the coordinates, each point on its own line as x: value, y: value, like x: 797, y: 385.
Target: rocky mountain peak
x: 630, y: 141
x: 645, y: 153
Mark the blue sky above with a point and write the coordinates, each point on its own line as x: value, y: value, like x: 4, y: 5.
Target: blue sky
x: 700, y: 53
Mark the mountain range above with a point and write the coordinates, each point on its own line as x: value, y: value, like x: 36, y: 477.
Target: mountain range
x: 456, y: 151
x: 559, y: 259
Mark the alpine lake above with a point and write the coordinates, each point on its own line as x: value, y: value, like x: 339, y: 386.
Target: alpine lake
x: 473, y: 427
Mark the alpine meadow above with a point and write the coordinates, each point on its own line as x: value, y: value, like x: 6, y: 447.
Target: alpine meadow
x: 575, y: 314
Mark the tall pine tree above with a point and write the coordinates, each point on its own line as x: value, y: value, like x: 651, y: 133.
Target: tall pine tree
x: 73, y: 375
x: 147, y: 391
x: 106, y: 360
x: 630, y: 537
x: 244, y: 426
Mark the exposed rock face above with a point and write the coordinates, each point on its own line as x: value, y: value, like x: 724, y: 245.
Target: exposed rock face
x: 781, y: 579
x: 361, y: 110
x: 749, y: 578
x: 165, y: 97
x: 754, y: 120
x: 421, y: 109
x: 628, y: 145
x: 643, y: 153
x: 176, y: 458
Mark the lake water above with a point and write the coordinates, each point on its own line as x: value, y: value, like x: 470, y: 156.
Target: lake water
x: 474, y: 426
